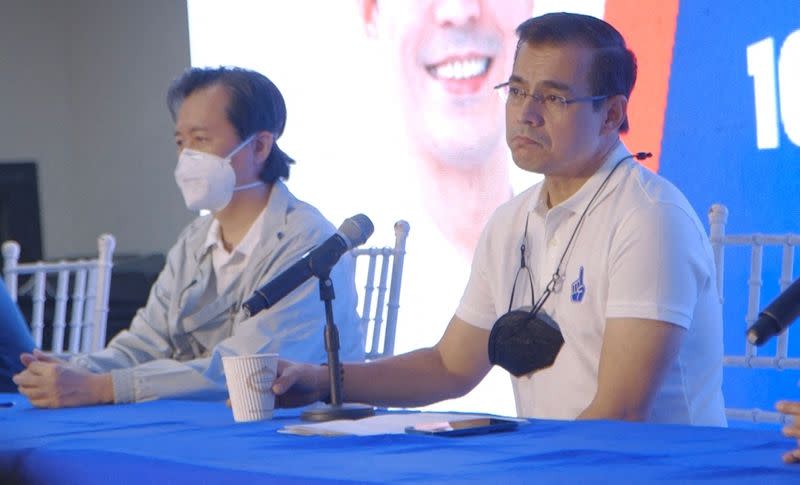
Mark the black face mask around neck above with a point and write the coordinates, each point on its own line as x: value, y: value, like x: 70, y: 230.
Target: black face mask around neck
x: 523, y: 341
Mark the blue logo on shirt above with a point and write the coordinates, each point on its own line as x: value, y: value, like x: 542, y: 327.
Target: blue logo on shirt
x: 578, y: 289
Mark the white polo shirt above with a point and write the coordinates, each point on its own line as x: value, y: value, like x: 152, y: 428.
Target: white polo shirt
x: 641, y: 253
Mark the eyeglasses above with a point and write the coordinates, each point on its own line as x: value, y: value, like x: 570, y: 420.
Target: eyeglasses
x: 553, y: 103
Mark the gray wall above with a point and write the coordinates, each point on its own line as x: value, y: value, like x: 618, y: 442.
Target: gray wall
x: 82, y: 87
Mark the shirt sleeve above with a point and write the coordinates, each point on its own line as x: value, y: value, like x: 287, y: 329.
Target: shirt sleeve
x: 477, y: 307
x: 658, y: 264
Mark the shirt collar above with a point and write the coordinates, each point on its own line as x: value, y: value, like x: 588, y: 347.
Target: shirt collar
x: 212, y: 236
x: 248, y: 242
x: 275, y: 211
x: 578, y: 200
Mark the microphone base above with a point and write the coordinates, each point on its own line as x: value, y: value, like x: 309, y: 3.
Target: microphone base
x: 342, y: 411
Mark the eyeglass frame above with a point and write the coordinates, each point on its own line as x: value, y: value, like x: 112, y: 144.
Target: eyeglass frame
x: 543, y: 98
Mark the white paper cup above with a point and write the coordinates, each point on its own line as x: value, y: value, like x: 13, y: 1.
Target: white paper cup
x: 249, y: 379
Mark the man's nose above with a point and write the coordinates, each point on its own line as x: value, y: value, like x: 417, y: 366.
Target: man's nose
x: 530, y: 112
x: 457, y: 12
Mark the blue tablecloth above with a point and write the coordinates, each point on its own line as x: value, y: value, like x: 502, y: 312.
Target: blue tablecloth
x: 198, y: 442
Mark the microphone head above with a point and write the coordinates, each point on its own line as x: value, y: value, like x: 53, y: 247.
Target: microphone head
x: 356, y: 230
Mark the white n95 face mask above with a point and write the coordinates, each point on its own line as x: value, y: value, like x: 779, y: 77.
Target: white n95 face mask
x: 207, y: 181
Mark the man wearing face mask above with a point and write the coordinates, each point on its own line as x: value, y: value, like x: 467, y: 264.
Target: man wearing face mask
x: 227, y: 121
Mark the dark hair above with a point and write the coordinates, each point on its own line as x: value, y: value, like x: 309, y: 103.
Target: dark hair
x: 613, y: 69
x: 255, y: 105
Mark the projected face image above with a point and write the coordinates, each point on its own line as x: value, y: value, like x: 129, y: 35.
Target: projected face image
x: 447, y: 55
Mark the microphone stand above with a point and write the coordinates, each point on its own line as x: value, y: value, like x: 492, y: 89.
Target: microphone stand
x: 336, y: 409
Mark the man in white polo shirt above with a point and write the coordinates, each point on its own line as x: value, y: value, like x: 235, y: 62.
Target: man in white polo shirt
x: 227, y: 121
x: 595, y: 288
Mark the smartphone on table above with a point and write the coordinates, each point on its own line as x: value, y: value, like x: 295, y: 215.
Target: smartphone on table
x: 464, y: 427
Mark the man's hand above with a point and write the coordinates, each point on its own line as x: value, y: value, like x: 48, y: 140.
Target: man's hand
x: 791, y: 430
x: 300, y: 384
x: 53, y: 383
x: 28, y: 358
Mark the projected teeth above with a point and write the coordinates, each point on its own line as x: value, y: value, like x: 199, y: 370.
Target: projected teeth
x: 465, y: 69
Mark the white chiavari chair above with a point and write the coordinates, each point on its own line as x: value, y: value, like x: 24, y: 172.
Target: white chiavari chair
x: 381, y: 292
x: 81, y: 288
x: 751, y: 359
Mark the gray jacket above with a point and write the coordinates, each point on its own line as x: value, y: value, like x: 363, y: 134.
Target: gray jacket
x: 174, y: 346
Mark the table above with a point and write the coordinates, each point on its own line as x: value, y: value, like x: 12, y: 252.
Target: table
x: 174, y: 441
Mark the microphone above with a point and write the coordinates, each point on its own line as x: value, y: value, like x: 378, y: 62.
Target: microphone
x: 318, y: 262
x: 777, y: 316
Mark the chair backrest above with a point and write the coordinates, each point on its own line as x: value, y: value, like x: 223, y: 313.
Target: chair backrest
x: 379, y: 313
x: 718, y: 218
x: 90, y: 282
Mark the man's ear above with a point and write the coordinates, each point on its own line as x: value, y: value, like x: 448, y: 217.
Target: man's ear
x: 263, y: 144
x: 616, y: 109
x: 369, y: 15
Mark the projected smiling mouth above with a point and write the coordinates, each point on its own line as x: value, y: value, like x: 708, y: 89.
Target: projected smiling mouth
x: 461, y: 75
